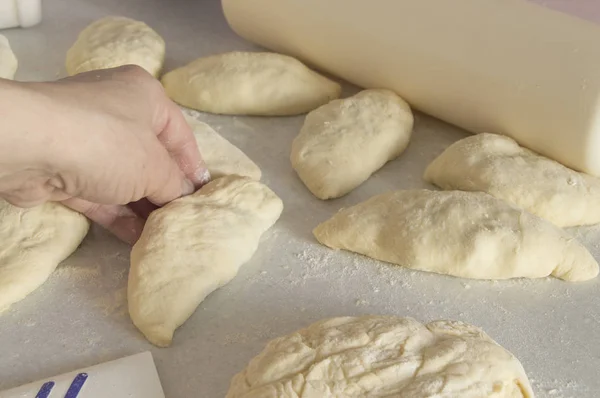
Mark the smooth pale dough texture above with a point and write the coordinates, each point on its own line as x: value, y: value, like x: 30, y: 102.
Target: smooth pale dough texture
x: 499, y: 166
x: 383, y: 356
x: 8, y: 60
x: 32, y: 244
x: 193, y: 246
x: 465, y: 234
x: 243, y: 83
x: 222, y: 158
x: 115, y: 41
x: 342, y: 143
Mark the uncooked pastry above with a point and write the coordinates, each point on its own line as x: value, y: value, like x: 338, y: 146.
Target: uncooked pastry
x: 499, y: 166
x: 33, y: 242
x: 465, y: 234
x: 8, y: 60
x: 221, y: 156
x: 193, y: 246
x: 383, y: 356
x: 342, y: 143
x: 115, y: 41
x: 244, y: 83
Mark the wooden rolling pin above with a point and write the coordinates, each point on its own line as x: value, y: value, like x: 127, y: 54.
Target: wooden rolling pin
x: 501, y: 66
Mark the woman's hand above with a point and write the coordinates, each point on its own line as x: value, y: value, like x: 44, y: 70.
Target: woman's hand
x: 97, y: 142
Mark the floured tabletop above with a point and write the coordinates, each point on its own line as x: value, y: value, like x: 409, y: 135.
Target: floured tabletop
x: 79, y: 317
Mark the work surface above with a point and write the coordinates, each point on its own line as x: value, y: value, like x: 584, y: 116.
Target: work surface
x: 79, y: 317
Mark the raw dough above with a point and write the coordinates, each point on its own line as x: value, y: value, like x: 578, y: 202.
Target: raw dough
x: 115, y: 41
x: 221, y: 156
x: 8, y: 60
x: 499, y: 166
x: 242, y: 83
x: 383, y: 356
x: 193, y: 246
x: 342, y: 143
x: 465, y: 234
x: 33, y: 242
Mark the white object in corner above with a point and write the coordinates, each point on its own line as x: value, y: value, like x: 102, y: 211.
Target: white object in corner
x: 23, y: 13
x: 130, y: 377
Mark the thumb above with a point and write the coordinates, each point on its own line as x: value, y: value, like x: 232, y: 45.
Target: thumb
x: 120, y: 220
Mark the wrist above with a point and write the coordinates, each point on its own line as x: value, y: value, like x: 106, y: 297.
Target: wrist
x: 28, y: 148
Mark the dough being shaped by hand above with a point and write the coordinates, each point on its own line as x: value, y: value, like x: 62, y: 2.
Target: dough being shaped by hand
x: 115, y: 41
x: 342, y: 143
x: 32, y: 243
x: 383, y: 356
x: 8, y: 60
x: 465, y: 234
x: 193, y: 246
x: 243, y: 83
x: 222, y: 158
x: 499, y: 166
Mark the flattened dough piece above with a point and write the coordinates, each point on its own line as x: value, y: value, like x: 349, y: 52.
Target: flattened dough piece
x: 244, y: 83
x: 8, y: 60
x: 465, y: 234
x: 499, y: 166
x: 115, y: 41
x: 193, y: 246
x: 342, y: 143
x: 221, y: 157
x: 383, y: 356
x: 33, y: 242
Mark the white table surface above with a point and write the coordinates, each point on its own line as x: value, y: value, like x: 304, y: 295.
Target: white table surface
x: 79, y: 317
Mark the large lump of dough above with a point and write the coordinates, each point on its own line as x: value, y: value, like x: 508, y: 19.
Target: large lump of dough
x: 342, y: 143
x: 465, y: 234
x: 222, y: 158
x: 115, y: 41
x: 499, y: 166
x: 32, y: 243
x: 8, y: 60
x: 245, y: 83
x: 191, y: 247
x: 383, y: 356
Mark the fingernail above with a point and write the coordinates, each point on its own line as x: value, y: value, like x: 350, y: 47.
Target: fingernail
x: 203, y: 176
x: 188, y: 187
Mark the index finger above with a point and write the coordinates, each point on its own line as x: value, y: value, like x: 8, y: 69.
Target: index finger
x: 177, y: 137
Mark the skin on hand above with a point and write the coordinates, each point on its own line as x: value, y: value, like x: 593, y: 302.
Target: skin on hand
x: 97, y: 141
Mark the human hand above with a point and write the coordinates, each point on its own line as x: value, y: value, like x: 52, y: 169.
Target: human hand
x: 97, y: 142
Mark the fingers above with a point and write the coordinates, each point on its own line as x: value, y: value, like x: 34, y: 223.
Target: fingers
x: 165, y: 180
x: 178, y: 138
x: 120, y: 220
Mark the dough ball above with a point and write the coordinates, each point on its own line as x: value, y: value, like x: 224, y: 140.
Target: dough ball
x: 242, y: 83
x: 342, y: 143
x: 499, y: 166
x: 193, y: 246
x: 383, y: 356
x: 115, y: 41
x: 8, y: 60
x: 221, y: 157
x: 465, y: 234
x: 33, y: 242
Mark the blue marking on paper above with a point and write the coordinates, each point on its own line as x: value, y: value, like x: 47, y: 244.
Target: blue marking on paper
x: 76, y: 385
x: 45, y: 390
